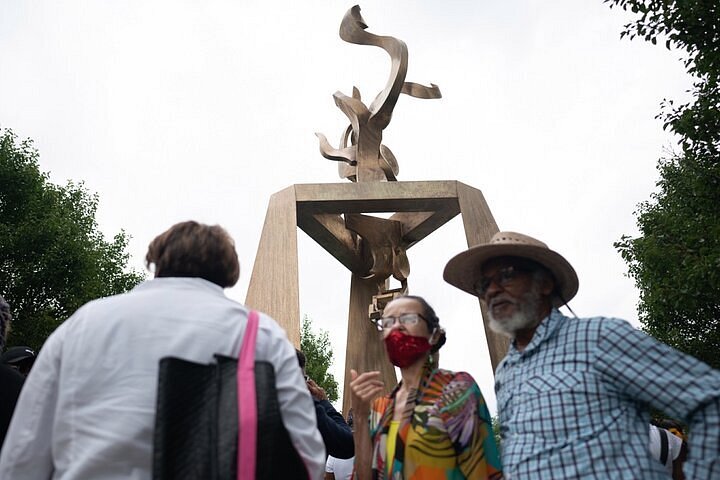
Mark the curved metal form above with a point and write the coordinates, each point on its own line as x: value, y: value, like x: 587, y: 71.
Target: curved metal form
x: 366, y: 159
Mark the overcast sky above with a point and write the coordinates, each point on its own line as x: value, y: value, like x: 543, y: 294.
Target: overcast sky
x: 201, y: 110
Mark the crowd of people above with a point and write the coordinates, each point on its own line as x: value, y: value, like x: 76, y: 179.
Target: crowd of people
x: 574, y: 394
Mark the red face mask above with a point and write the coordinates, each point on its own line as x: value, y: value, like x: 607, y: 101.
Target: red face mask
x: 404, y: 349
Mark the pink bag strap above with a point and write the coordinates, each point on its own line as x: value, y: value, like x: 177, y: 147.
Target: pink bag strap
x: 247, y: 402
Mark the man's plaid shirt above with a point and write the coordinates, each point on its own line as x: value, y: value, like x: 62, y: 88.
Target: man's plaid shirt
x: 574, y: 403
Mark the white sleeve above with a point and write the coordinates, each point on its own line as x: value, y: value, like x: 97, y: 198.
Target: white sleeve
x: 674, y: 445
x: 654, y: 442
x: 27, y: 451
x: 296, y: 405
x: 330, y: 464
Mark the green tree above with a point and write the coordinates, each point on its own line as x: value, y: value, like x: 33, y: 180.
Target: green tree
x: 319, y: 356
x: 676, y: 259
x: 53, y: 258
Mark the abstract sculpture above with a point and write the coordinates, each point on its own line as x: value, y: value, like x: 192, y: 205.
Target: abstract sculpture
x: 336, y: 216
x: 366, y: 159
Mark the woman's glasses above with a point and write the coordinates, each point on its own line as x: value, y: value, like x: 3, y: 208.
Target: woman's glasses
x: 405, y: 319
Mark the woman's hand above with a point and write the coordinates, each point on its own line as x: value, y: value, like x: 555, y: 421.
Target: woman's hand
x: 365, y: 387
x: 316, y: 391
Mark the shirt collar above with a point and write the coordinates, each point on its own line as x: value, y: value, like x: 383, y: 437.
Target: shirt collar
x: 545, y: 330
x: 180, y: 283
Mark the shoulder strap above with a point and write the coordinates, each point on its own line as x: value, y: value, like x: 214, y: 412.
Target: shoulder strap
x: 247, y: 406
x: 663, y: 446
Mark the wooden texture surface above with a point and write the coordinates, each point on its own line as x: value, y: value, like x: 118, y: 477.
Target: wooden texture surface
x: 319, y: 209
x: 273, y: 285
x: 480, y: 226
x: 365, y: 349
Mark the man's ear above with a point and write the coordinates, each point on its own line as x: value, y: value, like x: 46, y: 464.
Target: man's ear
x: 548, y: 286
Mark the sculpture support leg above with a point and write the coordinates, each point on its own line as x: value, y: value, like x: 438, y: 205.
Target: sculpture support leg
x: 480, y: 226
x: 365, y: 349
x: 274, y: 282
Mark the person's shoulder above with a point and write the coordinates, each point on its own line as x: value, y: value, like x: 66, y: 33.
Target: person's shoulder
x: 110, y: 303
x: 10, y: 379
x: 269, y: 326
x: 450, y: 376
x: 450, y: 381
x: 596, y: 324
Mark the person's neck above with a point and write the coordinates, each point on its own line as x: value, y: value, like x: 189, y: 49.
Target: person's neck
x: 411, y: 375
x: 524, y: 337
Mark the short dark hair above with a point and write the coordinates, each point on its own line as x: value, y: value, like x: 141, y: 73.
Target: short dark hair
x: 301, y: 358
x: 431, y: 318
x: 5, y: 319
x: 192, y: 249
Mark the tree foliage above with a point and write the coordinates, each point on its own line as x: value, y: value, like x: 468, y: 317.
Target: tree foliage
x: 676, y: 260
x: 53, y: 258
x: 319, y: 356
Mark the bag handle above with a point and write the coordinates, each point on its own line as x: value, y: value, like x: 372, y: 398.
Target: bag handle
x: 247, y: 402
x: 664, y: 444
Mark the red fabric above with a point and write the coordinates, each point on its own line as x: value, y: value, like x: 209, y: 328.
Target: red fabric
x: 404, y: 349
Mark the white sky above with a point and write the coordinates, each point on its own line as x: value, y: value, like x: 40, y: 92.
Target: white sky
x: 201, y: 110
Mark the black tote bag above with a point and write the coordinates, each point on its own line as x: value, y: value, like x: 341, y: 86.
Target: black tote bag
x: 196, y: 424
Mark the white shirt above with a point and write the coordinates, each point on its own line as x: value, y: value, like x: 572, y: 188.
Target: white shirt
x: 341, y: 468
x: 87, y: 409
x: 674, y: 446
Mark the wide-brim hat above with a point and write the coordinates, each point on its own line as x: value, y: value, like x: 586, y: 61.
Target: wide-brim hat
x: 463, y: 270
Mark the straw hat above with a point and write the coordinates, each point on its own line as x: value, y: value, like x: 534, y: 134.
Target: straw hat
x: 463, y: 270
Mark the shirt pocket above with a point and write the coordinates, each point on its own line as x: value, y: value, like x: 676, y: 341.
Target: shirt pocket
x: 558, y: 404
x: 555, y: 382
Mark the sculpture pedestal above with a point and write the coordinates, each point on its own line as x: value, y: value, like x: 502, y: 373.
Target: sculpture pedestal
x: 318, y: 209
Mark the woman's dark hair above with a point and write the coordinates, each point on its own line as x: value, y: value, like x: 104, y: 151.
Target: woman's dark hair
x: 432, y: 320
x: 5, y: 320
x: 301, y: 358
x: 192, y: 249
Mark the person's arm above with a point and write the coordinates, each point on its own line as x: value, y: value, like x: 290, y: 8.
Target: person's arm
x: 679, y: 385
x: 27, y: 451
x: 364, y: 388
x: 336, y: 433
x: 678, y: 463
x: 330, y: 468
x: 463, y: 411
x: 296, y: 406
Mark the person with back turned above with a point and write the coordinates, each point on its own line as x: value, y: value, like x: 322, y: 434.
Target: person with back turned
x: 87, y: 409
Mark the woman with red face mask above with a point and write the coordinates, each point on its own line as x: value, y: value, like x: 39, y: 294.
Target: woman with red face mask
x: 434, y: 424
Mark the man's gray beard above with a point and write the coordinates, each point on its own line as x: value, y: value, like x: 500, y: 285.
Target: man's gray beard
x: 527, y: 314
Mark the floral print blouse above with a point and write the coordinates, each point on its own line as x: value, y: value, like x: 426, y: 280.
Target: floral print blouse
x: 445, y: 432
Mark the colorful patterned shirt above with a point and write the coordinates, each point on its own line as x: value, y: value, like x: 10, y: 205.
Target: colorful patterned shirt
x: 445, y: 431
x: 574, y: 403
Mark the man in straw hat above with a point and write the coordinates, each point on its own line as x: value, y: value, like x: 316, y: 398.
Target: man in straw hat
x: 573, y: 394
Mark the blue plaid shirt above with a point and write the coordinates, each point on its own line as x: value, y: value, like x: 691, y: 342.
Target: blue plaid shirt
x: 574, y: 403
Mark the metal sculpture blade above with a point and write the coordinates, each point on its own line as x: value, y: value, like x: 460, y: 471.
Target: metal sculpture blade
x: 370, y: 160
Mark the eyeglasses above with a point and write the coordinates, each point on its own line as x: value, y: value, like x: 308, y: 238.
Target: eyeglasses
x: 502, y: 278
x: 405, y: 319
